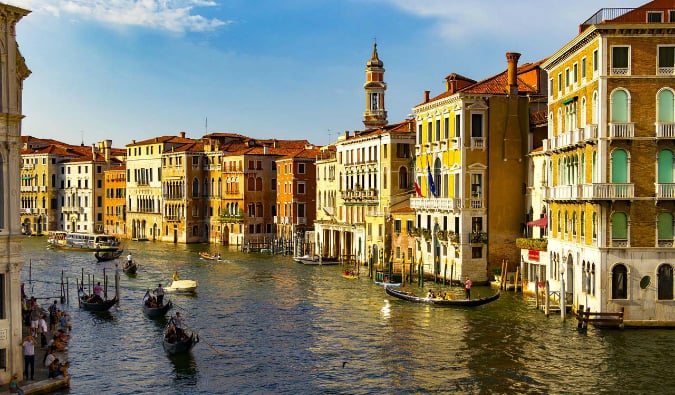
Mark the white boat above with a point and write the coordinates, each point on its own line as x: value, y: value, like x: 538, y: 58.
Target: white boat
x: 182, y: 286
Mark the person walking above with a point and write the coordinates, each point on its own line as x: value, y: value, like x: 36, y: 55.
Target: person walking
x: 467, y: 287
x: 53, y: 314
x: 42, y: 330
x: 34, y: 318
x: 159, y: 291
x: 28, y: 357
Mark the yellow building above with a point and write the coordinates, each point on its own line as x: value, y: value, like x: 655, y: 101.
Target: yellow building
x: 144, y: 187
x: 611, y: 190
x: 470, y: 170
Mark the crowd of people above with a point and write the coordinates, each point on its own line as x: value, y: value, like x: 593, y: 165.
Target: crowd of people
x: 46, y: 329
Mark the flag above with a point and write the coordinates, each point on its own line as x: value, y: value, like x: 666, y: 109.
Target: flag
x: 418, y: 190
x: 430, y: 178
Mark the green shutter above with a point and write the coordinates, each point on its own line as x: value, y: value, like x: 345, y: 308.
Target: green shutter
x: 665, y: 163
x: 619, y: 226
x: 619, y: 106
x: 666, y: 106
x: 665, y: 225
x: 619, y: 166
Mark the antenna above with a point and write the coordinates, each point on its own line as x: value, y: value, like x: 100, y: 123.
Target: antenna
x: 82, y: 133
x: 206, y: 126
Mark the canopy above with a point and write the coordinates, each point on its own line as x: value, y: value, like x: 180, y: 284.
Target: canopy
x: 541, y: 222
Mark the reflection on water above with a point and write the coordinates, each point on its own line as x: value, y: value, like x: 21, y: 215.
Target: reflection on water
x: 269, y: 325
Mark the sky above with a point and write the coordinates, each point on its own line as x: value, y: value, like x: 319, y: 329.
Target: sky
x: 289, y: 69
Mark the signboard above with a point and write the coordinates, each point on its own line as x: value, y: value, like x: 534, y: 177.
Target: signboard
x: 533, y: 255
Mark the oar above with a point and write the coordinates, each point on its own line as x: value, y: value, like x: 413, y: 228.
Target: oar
x: 197, y: 333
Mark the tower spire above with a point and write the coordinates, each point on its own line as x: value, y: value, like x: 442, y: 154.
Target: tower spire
x: 375, y: 115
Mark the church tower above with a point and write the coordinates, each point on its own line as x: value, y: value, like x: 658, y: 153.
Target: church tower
x: 375, y: 116
x: 13, y: 71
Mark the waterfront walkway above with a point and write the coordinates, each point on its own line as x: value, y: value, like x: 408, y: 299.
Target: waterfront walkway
x: 42, y: 383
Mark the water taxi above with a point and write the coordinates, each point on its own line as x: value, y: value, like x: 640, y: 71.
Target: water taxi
x: 82, y: 241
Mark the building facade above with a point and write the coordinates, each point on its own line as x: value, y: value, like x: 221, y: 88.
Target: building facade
x: 14, y: 72
x: 611, y: 191
x: 114, y: 202
x: 472, y: 142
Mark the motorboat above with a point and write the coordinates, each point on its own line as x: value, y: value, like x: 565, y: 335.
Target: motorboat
x: 182, y: 286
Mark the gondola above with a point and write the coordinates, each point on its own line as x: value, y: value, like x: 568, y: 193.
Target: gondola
x: 130, y: 268
x: 207, y: 256
x: 155, y: 311
x: 315, y: 260
x: 107, y: 255
x: 182, y: 345
x: 89, y: 306
x: 440, y: 302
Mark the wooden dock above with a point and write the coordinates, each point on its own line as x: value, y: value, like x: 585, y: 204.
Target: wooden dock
x: 599, y: 319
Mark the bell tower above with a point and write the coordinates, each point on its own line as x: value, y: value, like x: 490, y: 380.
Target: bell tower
x: 374, y: 116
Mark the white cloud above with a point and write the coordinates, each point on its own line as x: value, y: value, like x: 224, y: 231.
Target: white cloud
x: 170, y: 15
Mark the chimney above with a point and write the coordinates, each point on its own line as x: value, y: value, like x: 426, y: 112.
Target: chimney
x: 426, y: 96
x: 266, y: 150
x: 346, y: 134
x: 93, y: 152
x: 512, y: 72
x: 182, y: 135
x: 106, y: 149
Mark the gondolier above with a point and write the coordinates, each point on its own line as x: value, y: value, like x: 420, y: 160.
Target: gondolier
x: 159, y: 291
x: 177, y: 322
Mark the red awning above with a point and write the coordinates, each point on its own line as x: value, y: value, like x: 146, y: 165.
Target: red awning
x: 541, y: 222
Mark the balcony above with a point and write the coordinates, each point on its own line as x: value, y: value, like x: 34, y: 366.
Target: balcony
x: 477, y: 143
x: 610, y: 191
x: 476, y: 203
x: 172, y: 218
x: 665, y: 191
x: 301, y: 221
x: 562, y: 192
x: 665, y: 130
x: 72, y: 210
x: 359, y: 195
x: 622, y: 130
x: 436, y: 204
x: 590, y: 132
x: 456, y: 143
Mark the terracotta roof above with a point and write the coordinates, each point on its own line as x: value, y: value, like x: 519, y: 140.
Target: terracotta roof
x: 404, y: 209
x: 162, y: 139
x: 195, y: 146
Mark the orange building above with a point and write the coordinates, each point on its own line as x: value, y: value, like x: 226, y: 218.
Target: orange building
x: 114, y: 203
x: 296, y: 193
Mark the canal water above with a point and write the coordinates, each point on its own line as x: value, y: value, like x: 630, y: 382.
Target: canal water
x: 270, y: 325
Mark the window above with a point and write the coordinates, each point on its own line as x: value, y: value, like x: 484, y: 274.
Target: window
x: 619, y: 106
x: 476, y: 252
x: 666, y: 61
x: 409, y: 226
x: 301, y: 210
x: 665, y: 229
x: 476, y: 125
x: 402, y: 178
x: 619, y: 282
x: 397, y: 226
x: 665, y: 282
x: 419, y: 133
x: 195, y: 188
x: 438, y: 130
x: 458, y: 125
x: 596, y: 67
x: 301, y: 168
x: 620, y: 60
x: 195, y: 161
x: 301, y: 188
x: 575, y: 73
x: 476, y: 185
x: 654, y: 16
x: 273, y: 185
x: 665, y: 166
x: 429, y: 131
x: 583, y: 69
x: 446, y: 127
x: 550, y: 87
x: 665, y: 105
x: 568, y: 81
x: 559, y: 83
x: 619, y: 162
x: 619, y: 229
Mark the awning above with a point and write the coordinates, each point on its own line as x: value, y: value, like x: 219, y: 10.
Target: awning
x: 541, y: 222
x: 570, y: 100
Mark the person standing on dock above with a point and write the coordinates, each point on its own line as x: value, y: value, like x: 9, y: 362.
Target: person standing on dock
x: 28, y: 357
x: 53, y: 313
x: 159, y: 291
x: 34, y: 318
x: 467, y: 287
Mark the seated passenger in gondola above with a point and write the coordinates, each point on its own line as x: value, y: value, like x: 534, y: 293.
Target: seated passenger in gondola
x: 430, y: 295
x: 170, y: 334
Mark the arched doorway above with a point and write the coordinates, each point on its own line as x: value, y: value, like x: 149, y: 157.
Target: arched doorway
x: 569, y: 287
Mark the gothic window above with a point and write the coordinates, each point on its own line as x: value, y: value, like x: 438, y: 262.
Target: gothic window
x: 665, y: 282
x: 619, y: 282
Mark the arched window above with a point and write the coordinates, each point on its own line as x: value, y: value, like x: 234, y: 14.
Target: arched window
x: 251, y: 184
x: 665, y: 227
x: 619, y: 282
x: 403, y: 178
x: 206, y: 187
x: 594, y: 167
x: 619, y: 166
x: 665, y: 104
x: 594, y: 226
x: 574, y: 223
x: 583, y: 112
x: 582, y: 225
x: 258, y: 184
x: 550, y: 124
x: 619, y: 106
x: 195, y: 188
x: 582, y: 168
x: 565, y: 226
x: 384, y: 179
x: 665, y: 282
x: 665, y: 166
x: 619, y: 227
x: 560, y: 122
x: 437, y: 176
x: 594, y: 109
